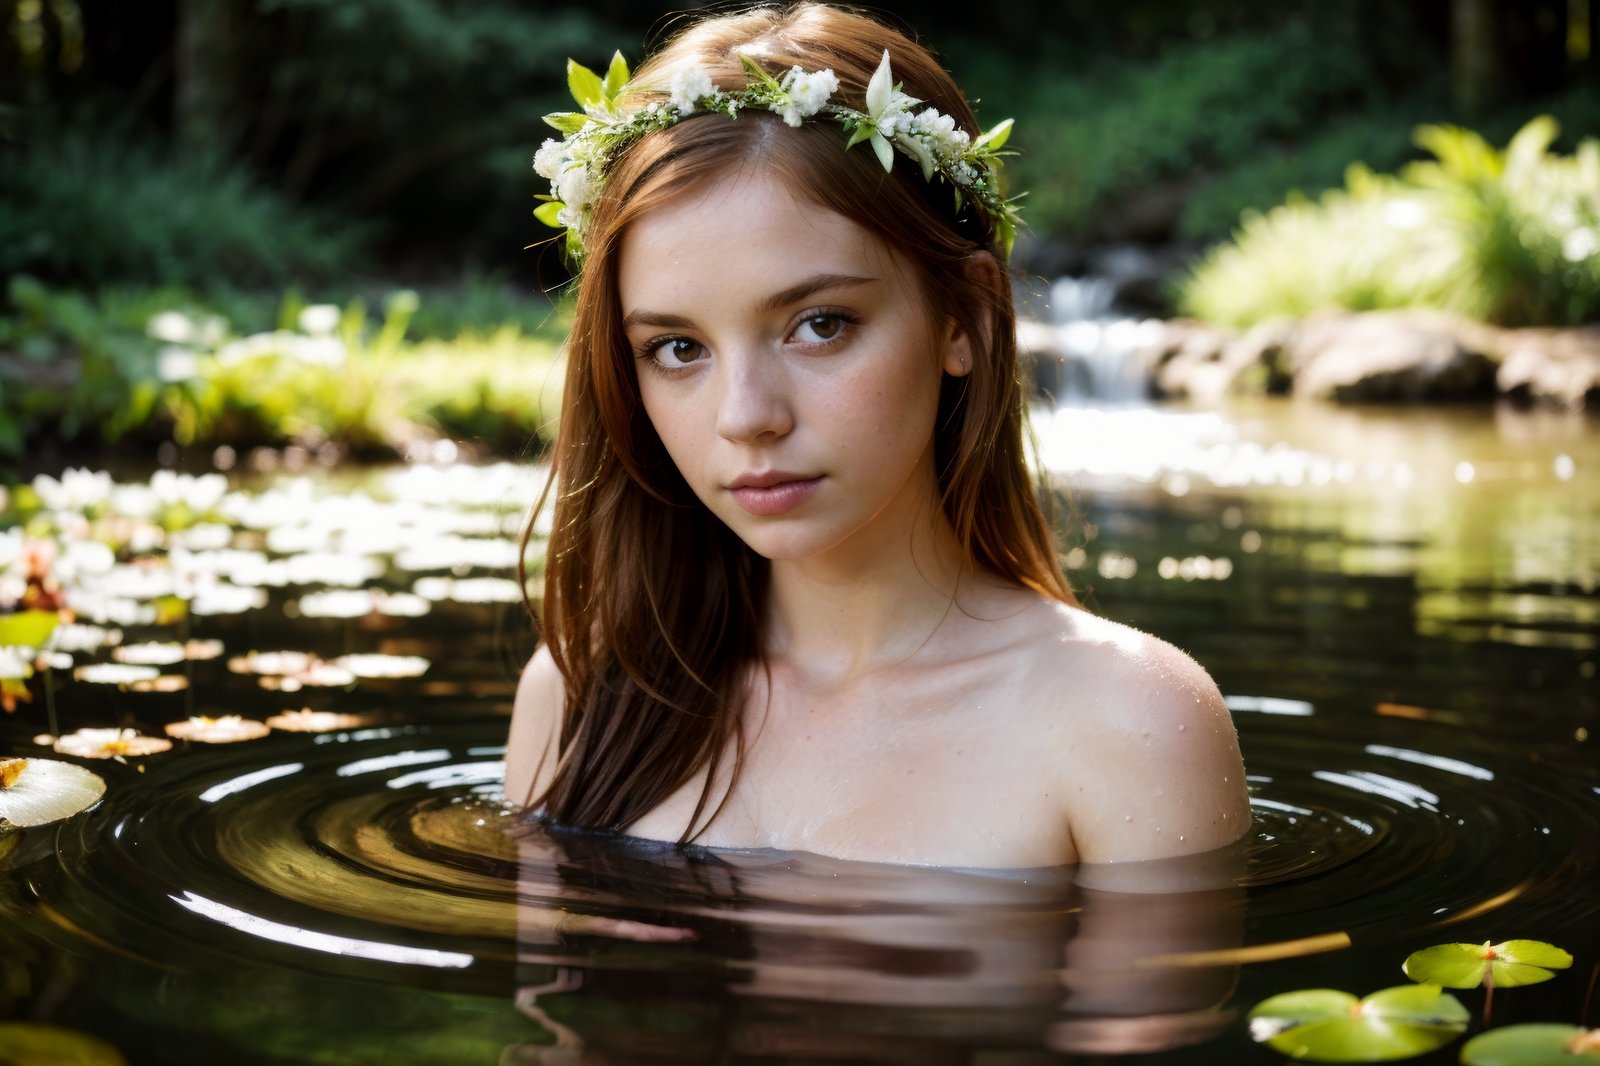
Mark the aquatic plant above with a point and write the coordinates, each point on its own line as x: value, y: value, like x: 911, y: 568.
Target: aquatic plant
x: 1533, y: 1045
x: 105, y: 743
x: 40, y: 791
x: 35, y: 1042
x: 1503, y: 965
x: 1325, y: 1025
x: 227, y: 729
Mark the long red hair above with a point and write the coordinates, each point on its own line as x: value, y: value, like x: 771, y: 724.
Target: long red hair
x: 652, y: 608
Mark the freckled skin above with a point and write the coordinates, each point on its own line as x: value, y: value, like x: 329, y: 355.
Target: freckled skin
x: 911, y: 710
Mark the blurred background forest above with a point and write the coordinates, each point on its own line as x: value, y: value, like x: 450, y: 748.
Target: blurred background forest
x: 178, y: 177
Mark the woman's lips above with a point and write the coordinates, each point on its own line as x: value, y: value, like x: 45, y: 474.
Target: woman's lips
x: 764, y: 501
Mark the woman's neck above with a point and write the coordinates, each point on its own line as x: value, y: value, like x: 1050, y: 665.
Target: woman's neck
x: 872, y: 602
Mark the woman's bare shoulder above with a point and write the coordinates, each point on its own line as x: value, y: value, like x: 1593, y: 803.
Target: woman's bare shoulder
x: 1144, y: 742
x: 532, y: 744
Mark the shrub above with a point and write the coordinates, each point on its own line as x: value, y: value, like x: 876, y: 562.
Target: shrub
x: 1507, y: 236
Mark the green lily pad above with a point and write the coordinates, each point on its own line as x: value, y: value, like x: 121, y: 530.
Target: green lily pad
x: 29, y: 1044
x: 1325, y: 1025
x: 27, y: 629
x: 1533, y: 1045
x: 1512, y: 963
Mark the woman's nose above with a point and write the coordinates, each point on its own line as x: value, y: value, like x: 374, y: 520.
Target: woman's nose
x: 754, y: 401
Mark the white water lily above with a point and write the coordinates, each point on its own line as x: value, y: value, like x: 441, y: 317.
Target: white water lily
x: 115, y: 673
x: 149, y: 654
x: 227, y: 729
x: 108, y: 743
x: 40, y: 791
x: 309, y: 721
x: 376, y: 665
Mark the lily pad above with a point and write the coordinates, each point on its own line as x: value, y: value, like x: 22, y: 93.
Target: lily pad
x: 40, y: 791
x: 31, y: 1044
x: 1533, y: 1045
x: 28, y: 629
x: 1509, y: 964
x: 1326, y: 1025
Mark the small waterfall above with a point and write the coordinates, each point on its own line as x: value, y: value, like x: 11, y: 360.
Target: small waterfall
x: 1081, y: 343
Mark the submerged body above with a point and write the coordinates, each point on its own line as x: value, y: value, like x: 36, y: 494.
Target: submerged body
x: 907, y: 706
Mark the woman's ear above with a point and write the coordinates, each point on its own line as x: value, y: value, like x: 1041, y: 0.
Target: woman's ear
x: 961, y: 349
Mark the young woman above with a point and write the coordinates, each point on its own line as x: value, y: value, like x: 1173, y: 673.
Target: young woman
x: 799, y: 593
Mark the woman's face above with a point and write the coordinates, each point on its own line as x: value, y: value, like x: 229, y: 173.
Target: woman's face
x: 786, y: 359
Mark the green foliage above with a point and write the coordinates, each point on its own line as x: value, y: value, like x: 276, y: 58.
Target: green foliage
x: 1324, y: 1025
x: 1507, y: 236
x: 93, y: 208
x: 1506, y: 965
x: 157, y: 365
x: 1534, y: 1045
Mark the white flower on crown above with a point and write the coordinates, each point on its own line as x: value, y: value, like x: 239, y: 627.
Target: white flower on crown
x: 574, y: 188
x: 547, y: 160
x: 805, y: 93
x: 688, y: 86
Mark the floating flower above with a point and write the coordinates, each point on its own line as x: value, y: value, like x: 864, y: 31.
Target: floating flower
x: 402, y: 605
x: 272, y: 662
x: 469, y: 590
x: 115, y: 673
x: 317, y: 675
x: 78, y: 637
x: 161, y: 683
x: 106, y: 743
x: 338, y: 603
x: 227, y: 599
x: 150, y: 654
x: 383, y: 665
x: 228, y: 729
x: 309, y: 721
x: 40, y: 791
x: 202, y: 650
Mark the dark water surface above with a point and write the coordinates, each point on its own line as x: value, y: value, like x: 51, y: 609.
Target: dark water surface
x: 1401, y: 608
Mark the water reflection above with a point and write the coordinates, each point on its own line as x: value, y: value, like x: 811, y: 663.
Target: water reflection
x: 1400, y: 607
x: 788, y: 954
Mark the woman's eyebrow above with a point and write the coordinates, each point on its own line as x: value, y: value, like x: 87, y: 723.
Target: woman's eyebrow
x: 795, y: 293
x: 778, y: 300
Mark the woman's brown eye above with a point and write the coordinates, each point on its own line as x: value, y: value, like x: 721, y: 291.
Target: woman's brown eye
x: 823, y: 327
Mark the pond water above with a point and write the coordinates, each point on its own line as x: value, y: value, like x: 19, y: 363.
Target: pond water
x: 1400, y: 607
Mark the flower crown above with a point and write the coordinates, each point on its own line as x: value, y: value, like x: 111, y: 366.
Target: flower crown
x: 576, y: 164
